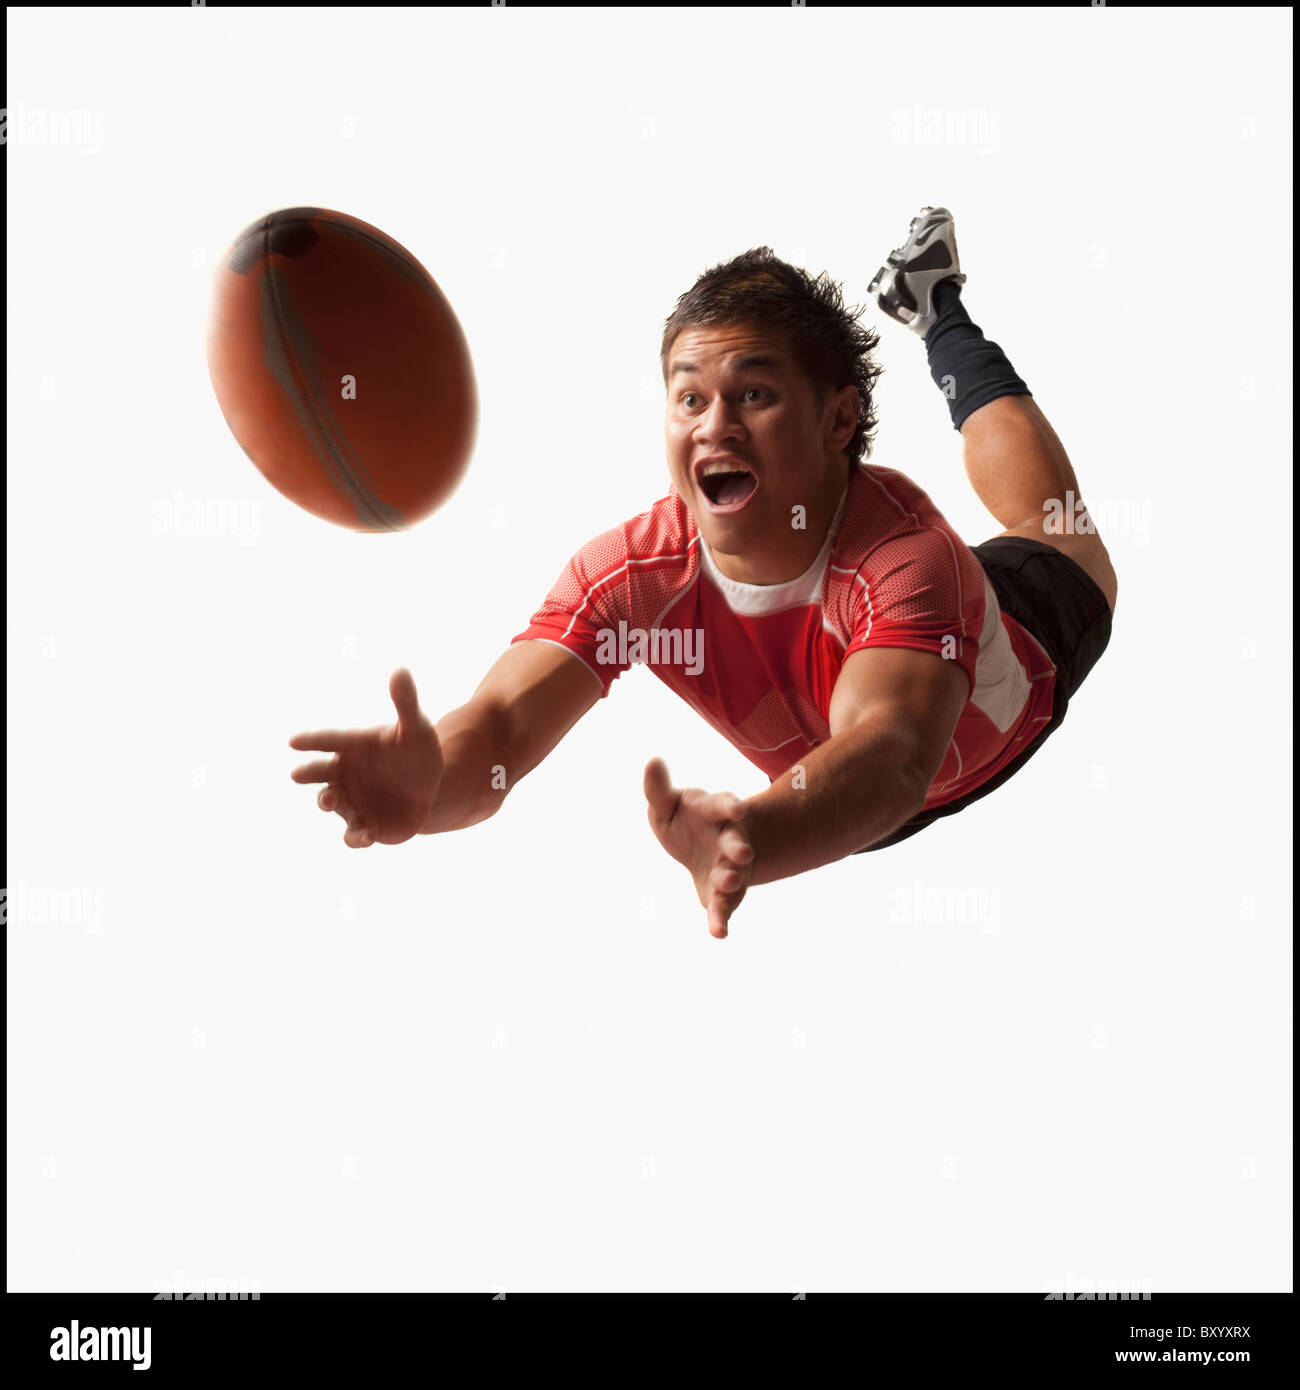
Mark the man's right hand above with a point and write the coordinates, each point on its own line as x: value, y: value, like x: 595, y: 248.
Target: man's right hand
x: 383, y: 781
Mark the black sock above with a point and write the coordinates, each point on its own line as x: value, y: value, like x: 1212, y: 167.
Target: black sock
x: 966, y: 367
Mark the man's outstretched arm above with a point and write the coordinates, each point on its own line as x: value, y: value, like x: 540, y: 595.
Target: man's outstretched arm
x: 892, y: 716
x: 412, y: 777
x: 533, y: 695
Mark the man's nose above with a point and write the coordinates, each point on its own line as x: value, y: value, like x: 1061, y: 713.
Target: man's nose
x: 720, y: 423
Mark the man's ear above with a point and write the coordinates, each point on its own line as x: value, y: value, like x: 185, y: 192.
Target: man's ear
x: 841, y: 414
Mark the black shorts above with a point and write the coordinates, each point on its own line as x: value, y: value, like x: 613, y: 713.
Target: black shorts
x: 1056, y: 602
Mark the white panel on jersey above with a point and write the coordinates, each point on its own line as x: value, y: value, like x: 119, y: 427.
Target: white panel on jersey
x: 1001, y: 686
x: 753, y: 600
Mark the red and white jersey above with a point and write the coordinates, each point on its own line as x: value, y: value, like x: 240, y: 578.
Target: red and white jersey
x: 759, y: 661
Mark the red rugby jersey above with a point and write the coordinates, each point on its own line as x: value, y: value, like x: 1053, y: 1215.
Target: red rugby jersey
x: 759, y: 661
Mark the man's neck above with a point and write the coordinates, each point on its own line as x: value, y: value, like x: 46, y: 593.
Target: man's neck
x: 806, y: 543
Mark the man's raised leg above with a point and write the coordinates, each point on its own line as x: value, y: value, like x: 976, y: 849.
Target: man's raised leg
x: 1022, y: 474
x: 1015, y: 462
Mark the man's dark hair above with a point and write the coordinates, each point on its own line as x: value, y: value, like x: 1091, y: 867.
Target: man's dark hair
x: 830, y: 346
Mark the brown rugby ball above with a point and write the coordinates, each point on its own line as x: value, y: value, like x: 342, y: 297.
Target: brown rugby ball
x: 341, y: 369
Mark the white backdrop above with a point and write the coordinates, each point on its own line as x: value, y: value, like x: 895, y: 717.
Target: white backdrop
x: 1045, y: 1044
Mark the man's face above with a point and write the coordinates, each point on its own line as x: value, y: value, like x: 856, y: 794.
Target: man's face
x: 747, y: 445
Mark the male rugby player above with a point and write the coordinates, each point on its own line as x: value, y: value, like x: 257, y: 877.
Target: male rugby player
x: 817, y: 610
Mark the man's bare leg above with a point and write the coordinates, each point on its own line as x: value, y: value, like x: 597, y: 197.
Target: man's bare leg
x: 1015, y: 462
x: 1022, y: 474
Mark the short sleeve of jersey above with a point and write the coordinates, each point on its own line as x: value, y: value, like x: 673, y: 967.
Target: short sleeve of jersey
x: 585, y: 605
x: 920, y: 591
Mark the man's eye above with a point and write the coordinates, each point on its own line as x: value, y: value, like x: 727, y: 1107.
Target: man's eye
x: 688, y: 395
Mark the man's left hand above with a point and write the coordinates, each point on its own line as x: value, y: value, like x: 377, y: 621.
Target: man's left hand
x: 709, y: 833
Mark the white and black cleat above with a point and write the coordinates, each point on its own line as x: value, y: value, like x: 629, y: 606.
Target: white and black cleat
x: 904, y: 285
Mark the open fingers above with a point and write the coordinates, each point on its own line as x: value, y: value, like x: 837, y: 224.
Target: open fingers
x: 727, y: 880
x: 333, y: 798
x: 733, y: 846
x: 726, y: 890
x: 357, y: 835
x: 724, y: 879
x: 322, y: 770
x: 720, y: 910
x: 659, y: 791
x: 401, y: 689
x: 723, y: 807
x: 322, y: 741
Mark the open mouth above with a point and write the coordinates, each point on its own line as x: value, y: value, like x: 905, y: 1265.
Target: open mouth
x: 728, y: 489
